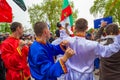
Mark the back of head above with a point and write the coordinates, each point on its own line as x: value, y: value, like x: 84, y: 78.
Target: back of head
x: 14, y: 26
x: 112, y: 29
x: 57, y: 33
x: 59, y: 25
x: 39, y: 27
x: 81, y: 24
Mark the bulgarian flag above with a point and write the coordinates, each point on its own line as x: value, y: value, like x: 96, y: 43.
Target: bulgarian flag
x: 66, y: 16
x: 21, y: 4
x: 5, y: 11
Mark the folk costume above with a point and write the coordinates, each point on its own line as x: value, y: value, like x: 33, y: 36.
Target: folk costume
x: 15, y: 60
x: 41, y: 61
x: 109, y: 67
x: 81, y: 65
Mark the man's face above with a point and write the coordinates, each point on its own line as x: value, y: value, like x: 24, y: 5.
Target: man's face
x: 20, y: 30
x: 47, y: 32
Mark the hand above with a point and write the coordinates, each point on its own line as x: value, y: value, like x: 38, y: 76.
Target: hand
x: 68, y: 53
x: 103, y: 24
x: 21, y: 44
x: 29, y: 43
x: 66, y: 25
x: 64, y: 43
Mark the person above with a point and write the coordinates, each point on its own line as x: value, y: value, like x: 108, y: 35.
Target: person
x: 100, y: 35
x: 101, y: 32
x: 81, y: 65
x: 63, y: 33
x: 57, y: 34
x: 14, y: 54
x: 113, y: 71
x: 51, y: 37
x: 41, y: 54
x: 2, y: 67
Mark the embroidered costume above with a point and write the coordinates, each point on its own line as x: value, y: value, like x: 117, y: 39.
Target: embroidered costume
x: 15, y: 60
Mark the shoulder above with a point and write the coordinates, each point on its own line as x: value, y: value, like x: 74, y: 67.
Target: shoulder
x: 84, y: 41
x: 57, y: 41
x: 36, y: 46
x: 8, y: 42
x: 36, y: 49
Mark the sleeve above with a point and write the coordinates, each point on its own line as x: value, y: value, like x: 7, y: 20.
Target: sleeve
x: 99, y: 33
x: 10, y: 58
x: 56, y: 41
x: 45, y: 66
x: 25, y: 50
x: 53, y: 70
x: 57, y: 49
x: 108, y: 50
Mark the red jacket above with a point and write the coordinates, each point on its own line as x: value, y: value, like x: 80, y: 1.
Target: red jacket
x: 15, y: 60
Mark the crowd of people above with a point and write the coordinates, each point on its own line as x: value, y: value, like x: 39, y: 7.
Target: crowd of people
x: 47, y: 57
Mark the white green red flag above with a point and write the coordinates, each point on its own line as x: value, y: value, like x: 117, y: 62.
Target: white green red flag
x: 21, y: 4
x: 5, y: 11
x: 66, y: 16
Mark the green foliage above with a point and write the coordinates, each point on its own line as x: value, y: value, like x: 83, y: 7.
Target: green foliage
x: 4, y: 27
x: 106, y: 8
x: 91, y: 30
x: 48, y: 10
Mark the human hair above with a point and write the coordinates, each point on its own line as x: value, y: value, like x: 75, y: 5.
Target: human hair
x: 14, y: 26
x: 112, y: 29
x: 57, y: 32
x: 39, y: 27
x: 59, y: 25
x: 81, y: 24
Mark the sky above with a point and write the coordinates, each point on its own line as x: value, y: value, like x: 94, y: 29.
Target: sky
x: 83, y: 7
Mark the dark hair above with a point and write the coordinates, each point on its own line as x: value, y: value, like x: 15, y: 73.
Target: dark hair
x: 81, y: 24
x: 39, y: 27
x: 58, y: 24
x: 14, y: 26
x: 112, y: 29
x: 57, y: 33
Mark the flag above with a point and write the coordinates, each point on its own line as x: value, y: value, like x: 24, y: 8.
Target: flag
x: 21, y: 4
x: 97, y: 22
x: 66, y: 16
x: 5, y: 12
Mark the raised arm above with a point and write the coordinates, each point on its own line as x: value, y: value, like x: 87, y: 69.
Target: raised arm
x: 100, y: 31
x: 108, y: 50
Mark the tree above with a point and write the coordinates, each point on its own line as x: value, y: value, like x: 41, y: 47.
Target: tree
x: 49, y: 11
x: 5, y: 27
x: 106, y: 8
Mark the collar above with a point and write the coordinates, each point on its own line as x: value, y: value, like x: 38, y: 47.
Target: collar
x: 80, y: 34
x: 40, y: 40
x: 11, y: 36
x: 110, y: 36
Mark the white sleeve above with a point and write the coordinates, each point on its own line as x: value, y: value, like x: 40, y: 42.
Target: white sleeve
x: 108, y: 50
